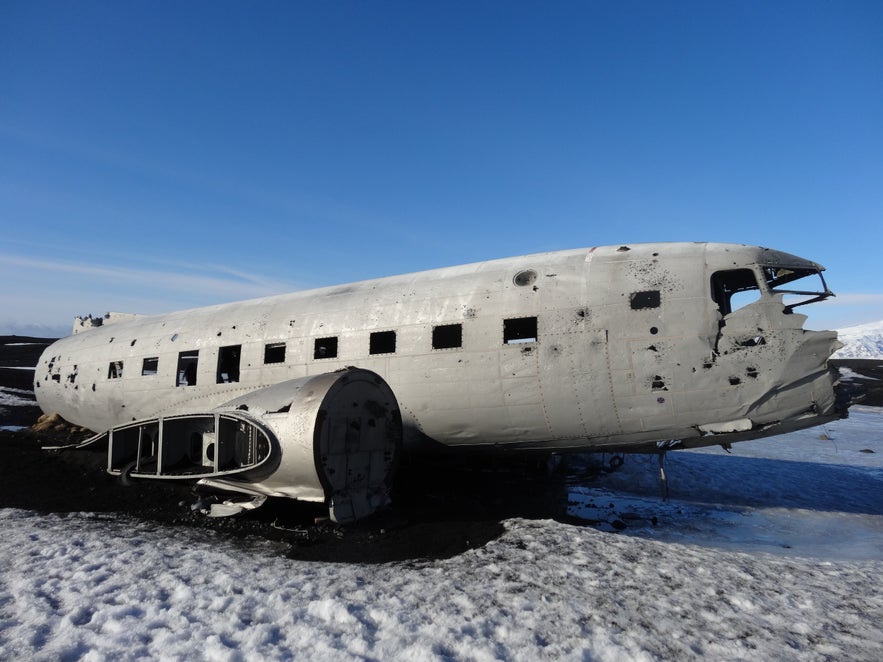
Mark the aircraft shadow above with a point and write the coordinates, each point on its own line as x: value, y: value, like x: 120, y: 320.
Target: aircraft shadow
x: 747, y: 482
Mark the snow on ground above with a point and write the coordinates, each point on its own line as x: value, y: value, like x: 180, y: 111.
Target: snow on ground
x: 85, y: 587
x: 15, y: 397
x: 849, y: 375
x: 701, y: 582
x: 817, y: 492
x: 11, y: 398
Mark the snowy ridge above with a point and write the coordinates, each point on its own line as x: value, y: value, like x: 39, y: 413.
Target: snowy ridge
x: 861, y: 342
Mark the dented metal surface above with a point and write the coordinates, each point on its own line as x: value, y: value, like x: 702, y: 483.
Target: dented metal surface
x: 609, y: 348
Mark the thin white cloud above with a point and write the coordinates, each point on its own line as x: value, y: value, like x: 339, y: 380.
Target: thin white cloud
x: 855, y: 300
x: 845, y: 310
x: 43, y: 292
x: 227, y: 283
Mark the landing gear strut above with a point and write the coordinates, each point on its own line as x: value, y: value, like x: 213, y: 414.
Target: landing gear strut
x: 663, y: 481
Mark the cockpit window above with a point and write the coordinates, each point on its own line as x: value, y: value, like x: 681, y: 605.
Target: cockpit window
x: 734, y: 289
x: 810, y: 289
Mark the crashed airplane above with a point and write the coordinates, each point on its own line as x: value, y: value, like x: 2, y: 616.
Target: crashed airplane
x: 314, y: 395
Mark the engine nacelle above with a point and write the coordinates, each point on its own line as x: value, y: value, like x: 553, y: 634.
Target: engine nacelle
x: 333, y: 437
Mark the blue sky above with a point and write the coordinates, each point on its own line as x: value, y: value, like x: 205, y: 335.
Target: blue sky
x: 161, y: 155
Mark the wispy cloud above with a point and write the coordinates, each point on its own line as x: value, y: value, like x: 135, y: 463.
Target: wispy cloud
x: 855, y: 300
x: 195, y: 280
x: 845, y: 310
x: 46, y: 292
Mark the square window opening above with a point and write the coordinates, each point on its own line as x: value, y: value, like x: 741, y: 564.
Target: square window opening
x: 187, y: 364
x: 274, y: 352
x: 734, y: 289
x: 115, y: 370
x: 646, y: 299
x: 447, y: 336
x: 519, y: 330
x: 325, y: 348
x: 228, y: 364
x: 150, y: 366
x: 382, y: 342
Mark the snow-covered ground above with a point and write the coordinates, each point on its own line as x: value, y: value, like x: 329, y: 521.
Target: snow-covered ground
x: 11, y: 398
x: 816, y: 493
x: 15, y: 397
x: 775, y: 552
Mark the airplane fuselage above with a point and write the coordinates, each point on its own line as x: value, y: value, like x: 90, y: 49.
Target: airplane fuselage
x: 609, y: 348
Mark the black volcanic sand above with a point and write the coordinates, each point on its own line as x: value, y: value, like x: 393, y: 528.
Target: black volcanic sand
x: 447, y: 514
x: 441, y: 508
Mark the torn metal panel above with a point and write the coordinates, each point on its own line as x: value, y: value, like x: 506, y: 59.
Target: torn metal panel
x: 739, y: 425
x: 88, y: 322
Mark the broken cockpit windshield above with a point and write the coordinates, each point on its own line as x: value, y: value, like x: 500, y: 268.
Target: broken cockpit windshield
x: 733, y: 289
x: 799, y: 285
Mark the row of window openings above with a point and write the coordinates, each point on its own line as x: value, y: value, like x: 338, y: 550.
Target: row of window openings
x: 446, y: 336
x: 727, y: 287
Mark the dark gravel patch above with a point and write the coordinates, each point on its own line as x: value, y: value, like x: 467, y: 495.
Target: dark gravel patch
x: 448, y: 513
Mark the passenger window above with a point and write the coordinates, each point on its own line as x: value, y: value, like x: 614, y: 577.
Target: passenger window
x: 274, y: 352
x: 734, y: 289
x: 228, y: 364
x: 519, y: 330
x: 325, y: 348
x: 115, y: 370
x: 447, y: 336
x: 382, y: 342
x: 187, y: 362
x: 150, y: 366
x: 646, y: 299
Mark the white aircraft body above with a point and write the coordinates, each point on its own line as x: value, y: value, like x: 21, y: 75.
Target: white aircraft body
x: 642, y: 348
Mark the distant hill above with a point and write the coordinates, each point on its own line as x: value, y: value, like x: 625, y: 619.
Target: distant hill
x: 862, y: 342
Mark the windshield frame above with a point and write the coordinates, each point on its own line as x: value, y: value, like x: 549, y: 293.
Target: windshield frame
x: 781, y: 274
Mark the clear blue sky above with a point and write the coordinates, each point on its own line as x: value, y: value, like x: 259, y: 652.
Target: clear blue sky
x: 162, y: 155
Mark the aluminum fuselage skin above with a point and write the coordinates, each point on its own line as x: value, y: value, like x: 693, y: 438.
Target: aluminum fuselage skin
x: 625, y: 348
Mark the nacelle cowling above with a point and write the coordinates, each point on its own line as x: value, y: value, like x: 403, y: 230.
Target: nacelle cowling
x: 333, y: 437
